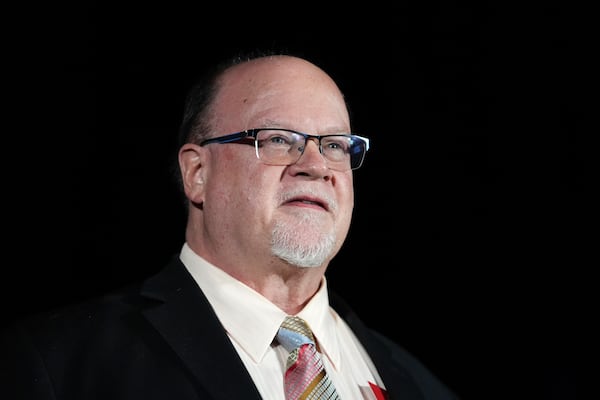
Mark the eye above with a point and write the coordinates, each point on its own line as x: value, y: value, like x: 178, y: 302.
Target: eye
x: 337, y: 144
x: 275, y: 138
x: 334, y: 145
x: 278, y: 139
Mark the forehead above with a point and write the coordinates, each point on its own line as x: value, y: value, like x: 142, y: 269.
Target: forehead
x: 286, y: 89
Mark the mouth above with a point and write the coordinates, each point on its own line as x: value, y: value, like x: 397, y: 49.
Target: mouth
x: 308, y: 201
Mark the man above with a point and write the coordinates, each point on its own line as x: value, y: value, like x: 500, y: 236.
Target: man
x: 266, y: 165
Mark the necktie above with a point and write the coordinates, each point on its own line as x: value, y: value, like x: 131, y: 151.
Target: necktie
x: 305, y: 376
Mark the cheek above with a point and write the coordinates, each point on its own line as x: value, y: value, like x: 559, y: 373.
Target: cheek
x: 345, y: 198
x: 345, y: 190
x: 240, y: 181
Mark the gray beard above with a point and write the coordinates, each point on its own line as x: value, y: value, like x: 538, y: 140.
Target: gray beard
x: 302, y: 249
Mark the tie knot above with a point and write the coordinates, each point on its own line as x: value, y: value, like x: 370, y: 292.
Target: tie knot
x: 294, y: 332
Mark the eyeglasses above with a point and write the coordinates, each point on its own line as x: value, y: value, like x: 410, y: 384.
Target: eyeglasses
x: 277, y: 146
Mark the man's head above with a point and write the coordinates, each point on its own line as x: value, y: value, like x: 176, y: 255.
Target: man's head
x: 245, y: 210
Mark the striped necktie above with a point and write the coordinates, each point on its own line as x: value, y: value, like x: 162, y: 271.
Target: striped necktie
x: 305, y: 376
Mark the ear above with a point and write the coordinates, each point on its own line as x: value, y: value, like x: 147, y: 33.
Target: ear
x: 192, y: 165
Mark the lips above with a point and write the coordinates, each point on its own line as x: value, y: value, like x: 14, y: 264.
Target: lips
x: 313, y: 201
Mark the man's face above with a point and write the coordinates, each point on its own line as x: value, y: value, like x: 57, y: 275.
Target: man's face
x: 300, y: 212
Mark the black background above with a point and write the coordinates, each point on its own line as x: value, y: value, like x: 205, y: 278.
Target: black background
x: 472, y: 208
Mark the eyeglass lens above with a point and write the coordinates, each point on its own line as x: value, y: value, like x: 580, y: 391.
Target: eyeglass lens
x: 280, y: 147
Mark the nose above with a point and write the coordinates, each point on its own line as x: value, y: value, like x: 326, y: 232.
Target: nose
x: 311, y: 160
x: 316, y: 149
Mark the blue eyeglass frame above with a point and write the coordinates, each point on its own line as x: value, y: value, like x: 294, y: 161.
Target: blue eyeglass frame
x: 248, y: 134
x: 252, y: 133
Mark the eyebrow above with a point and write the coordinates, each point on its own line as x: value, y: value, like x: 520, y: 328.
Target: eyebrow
x: 270, y: 123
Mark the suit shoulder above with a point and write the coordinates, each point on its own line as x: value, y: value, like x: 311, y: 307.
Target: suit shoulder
x: 84, y: 313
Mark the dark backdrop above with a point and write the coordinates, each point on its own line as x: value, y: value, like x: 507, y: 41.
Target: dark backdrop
x: 471, y: 208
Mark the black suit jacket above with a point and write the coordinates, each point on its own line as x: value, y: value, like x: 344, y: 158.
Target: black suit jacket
x: 161, y: 340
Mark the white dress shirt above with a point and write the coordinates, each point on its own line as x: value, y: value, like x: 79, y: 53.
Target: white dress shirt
x: 251, y: 322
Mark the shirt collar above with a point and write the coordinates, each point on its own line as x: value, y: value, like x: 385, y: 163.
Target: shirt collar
x: 249, y: 318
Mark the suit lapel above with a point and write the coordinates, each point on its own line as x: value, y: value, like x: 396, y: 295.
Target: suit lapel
x: 186, y: 321
x: 184, y: 318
